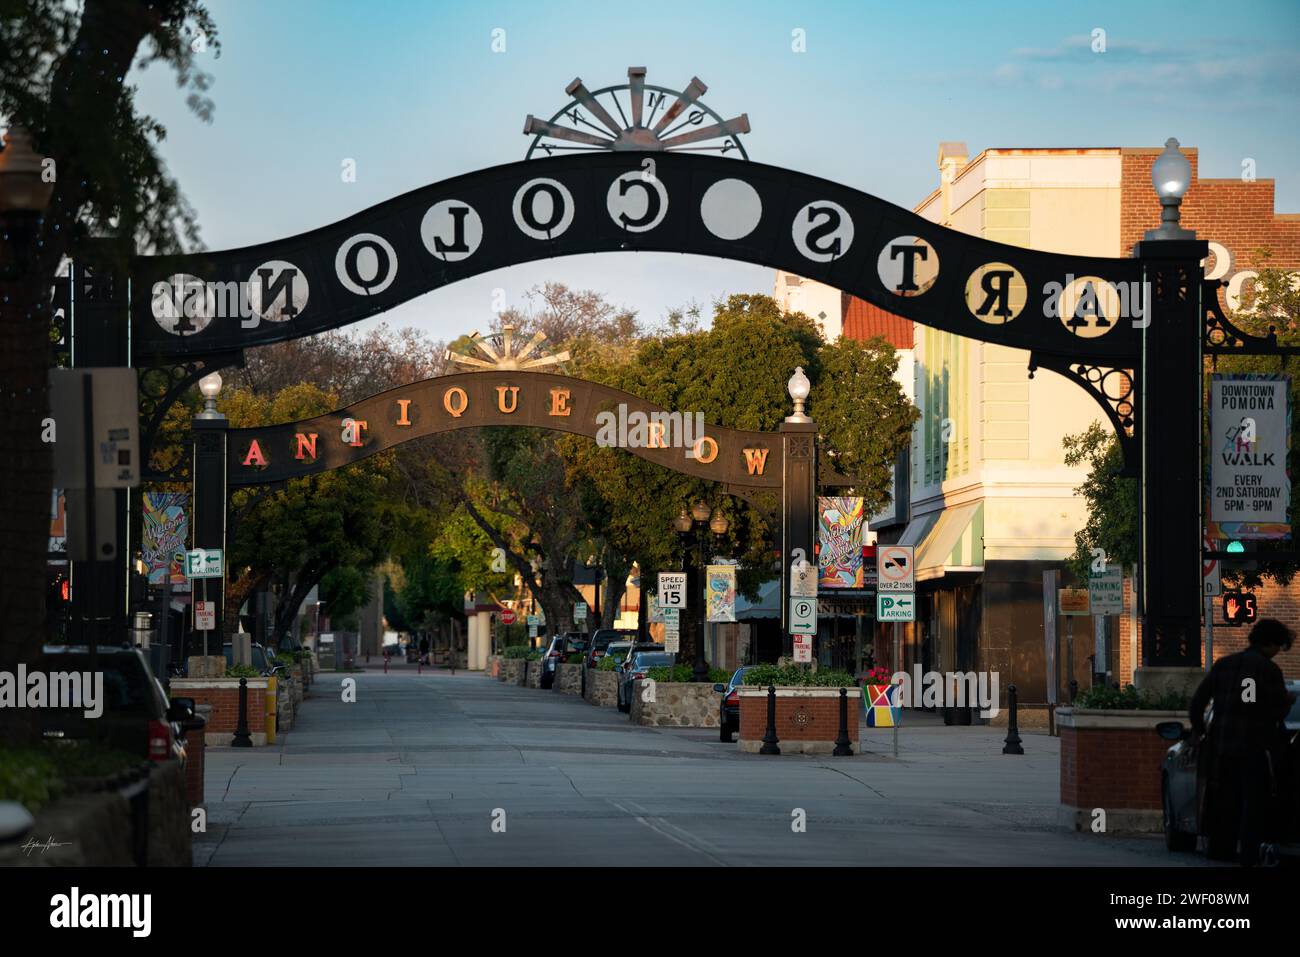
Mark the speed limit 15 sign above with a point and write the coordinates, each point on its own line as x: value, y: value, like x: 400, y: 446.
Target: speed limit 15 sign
x: 672, y: 589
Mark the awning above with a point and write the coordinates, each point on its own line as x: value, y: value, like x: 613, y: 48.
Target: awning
x: 955, y: 543
x: 767, y: 606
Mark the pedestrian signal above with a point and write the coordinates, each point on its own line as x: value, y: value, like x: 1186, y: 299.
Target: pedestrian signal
x: 1239, y: 607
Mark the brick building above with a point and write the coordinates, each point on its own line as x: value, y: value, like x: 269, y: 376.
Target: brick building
x: 984, y: 493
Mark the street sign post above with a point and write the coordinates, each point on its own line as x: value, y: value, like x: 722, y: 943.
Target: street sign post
x: 803, y: 616
x: 672, y: 590
x: 1073, y: 602
x: 204, y: 563
x: 1106, y: 592
x: 803, y: 648
x: 508, y: 616
x: 803, y: 580
x: 672, y: 630
x: 580, y: 611
x: 205, y: 616
x: 896, y: 607
x: 896, y: 568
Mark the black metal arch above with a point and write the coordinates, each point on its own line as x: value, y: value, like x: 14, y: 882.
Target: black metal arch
x: 663, y: 202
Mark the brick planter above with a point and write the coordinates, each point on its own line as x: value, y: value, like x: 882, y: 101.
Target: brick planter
x: 676, y: 704
x: 1111, y: 760
x: 807, y: 719
x: 533, y: 676
x: 512, y: 671
x: 602, y: 688
x: 568, y: 678
x: 223, y: 695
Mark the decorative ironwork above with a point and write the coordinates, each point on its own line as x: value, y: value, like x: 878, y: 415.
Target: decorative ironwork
x: 160, y: 388
x: 503, y: 352
x: 60, y: 325
x: 1115, y: 391
x: 1223, y: 337
x: 678, y: 128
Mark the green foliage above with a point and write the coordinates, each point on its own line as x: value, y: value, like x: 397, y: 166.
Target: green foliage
x: 574, y: 659
x: 36, y: 775
x: 242, y: 671
x: 685, y: 674
x: 516, y: 652
x: 798, y: 676
x: 1112, y: 501
x: 1130, y: 699
x: 607, y: 663
x: 534, y: 655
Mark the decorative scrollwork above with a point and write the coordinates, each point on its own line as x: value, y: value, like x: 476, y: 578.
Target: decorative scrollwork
x: 1222, y: 337
x: 160, y: 388
x: 1115, y: 391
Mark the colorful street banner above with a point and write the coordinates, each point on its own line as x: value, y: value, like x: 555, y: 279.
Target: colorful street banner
x: 721, y: 592
x: 881, y: 703
x: 1250, y: 443
x: 841, y: 527
x: 654, y: 614
x: 166, y: 529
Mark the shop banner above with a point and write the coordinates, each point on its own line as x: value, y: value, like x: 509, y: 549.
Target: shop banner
x: 841, y: 526
x: 721, y: 592
x: 166, y: 528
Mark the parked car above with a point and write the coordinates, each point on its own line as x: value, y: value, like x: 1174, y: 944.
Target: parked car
x: 261, y: 660
x: 634, y: 671
x: 137, y: 716
x: 602, y: 639
x: 1182, y: 788
x: 559, y: 649
x: 729, y: 707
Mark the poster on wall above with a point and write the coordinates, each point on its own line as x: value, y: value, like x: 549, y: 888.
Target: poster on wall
x: 841, y: 527
x: 1250, y: 441
x: 721, y: 592
x: 166, y: 528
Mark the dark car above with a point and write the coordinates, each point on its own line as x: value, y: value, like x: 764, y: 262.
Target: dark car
x: 1182, y: 787
x: 261, y: 660
x: 602, y: 640
x: 136, y: 717
x: 559, y: 649
x: 635, y: 670
x: 729, y: 708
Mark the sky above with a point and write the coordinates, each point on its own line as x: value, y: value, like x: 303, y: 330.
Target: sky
x: 413, y: 92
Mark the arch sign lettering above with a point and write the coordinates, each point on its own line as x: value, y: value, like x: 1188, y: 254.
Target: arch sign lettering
x: 221, y: 302
x: 494, y: 397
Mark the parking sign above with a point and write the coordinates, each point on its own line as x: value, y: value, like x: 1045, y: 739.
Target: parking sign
x: 803, y: 616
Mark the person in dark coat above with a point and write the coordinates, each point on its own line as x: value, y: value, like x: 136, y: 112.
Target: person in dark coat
x: 424, y: 649
x: 1244, y: 745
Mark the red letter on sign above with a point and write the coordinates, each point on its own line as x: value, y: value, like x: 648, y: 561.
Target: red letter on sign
x: 306, y: 443
x: 254, y: 456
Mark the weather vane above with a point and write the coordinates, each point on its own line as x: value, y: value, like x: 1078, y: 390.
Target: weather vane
x: 500, y: 349
x: 656, y: 118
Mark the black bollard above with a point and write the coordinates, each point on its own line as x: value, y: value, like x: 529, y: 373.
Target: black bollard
x: 242, y: 738
x: 842, y: 748
x: 1012, y: 745
x: 1074, y: 690
x: 770, y: 739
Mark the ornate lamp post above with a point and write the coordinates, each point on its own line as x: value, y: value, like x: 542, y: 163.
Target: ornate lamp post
x: 693, y: 525
x: 24, y: 194
x: 1171, y: 174
x: 210, y: 501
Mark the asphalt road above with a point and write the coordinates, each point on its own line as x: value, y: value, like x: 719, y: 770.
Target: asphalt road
x: 436, y: 769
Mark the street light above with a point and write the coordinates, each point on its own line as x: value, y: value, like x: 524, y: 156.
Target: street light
x: 798, y: 387
x: 210, y: 387
x: 24, y: 194
x: 1171, y: 174
x: 698, y: 519
x: 23, y: 189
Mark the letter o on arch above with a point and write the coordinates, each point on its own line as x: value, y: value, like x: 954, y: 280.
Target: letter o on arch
x: 698, y: 449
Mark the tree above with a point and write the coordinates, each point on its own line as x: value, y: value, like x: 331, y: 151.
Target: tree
x: 63, y: 69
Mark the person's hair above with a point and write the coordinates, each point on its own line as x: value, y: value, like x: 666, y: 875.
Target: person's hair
x: 1271, y: 632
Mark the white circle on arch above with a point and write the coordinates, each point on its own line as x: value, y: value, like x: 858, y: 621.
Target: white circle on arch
x: 278, y: 310
x: 546, y: 211
x: 368, y: 265
x: 822, y: 231
x: 438, y: 225
x: 731, y: 209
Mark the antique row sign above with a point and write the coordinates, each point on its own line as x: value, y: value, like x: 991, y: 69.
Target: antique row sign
x: 544, y: 400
